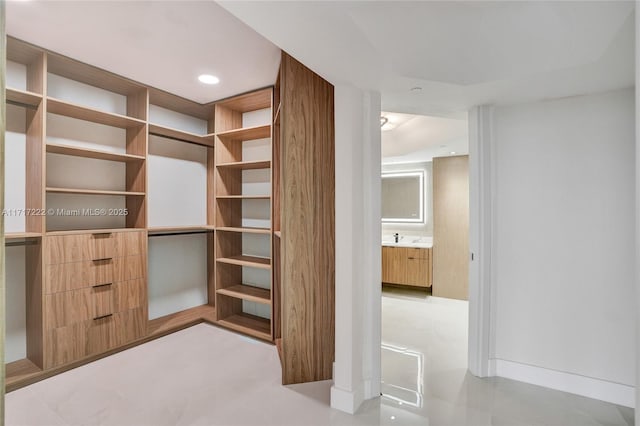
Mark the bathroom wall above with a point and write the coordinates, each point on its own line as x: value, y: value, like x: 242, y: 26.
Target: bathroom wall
x: 417, y: 229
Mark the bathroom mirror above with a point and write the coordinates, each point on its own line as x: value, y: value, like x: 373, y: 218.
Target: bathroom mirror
x: 403, y: 197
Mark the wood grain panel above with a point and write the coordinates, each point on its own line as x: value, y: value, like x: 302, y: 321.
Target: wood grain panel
x: 130, y: 267
x: 451, y: 227
x: 179, y: 104
x: 131, y: 243
x: 34, y: 313
x: 76, y: 275
x: 65, y: 344
x: 251, y: 101
x: 77, y: 247
x: 228, y: 212
x: 227, y: 118
x: 308, y: 192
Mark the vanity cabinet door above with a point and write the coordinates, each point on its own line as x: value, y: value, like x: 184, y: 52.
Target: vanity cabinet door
x: 418, y: 267
x: 394, y: 265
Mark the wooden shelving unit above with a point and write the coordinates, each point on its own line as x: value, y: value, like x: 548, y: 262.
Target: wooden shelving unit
x: 250, y: 289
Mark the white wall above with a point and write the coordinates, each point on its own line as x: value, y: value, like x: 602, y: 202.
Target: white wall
x: 358, y: 251
x: 419, y: 229
x: 564, y: 244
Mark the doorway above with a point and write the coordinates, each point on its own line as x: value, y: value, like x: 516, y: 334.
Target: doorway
x: 425, y: 245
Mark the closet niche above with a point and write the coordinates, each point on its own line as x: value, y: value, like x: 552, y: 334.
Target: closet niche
x: 138, y: 213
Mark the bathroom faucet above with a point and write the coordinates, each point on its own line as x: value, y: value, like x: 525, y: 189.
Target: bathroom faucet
x: 396, y: 236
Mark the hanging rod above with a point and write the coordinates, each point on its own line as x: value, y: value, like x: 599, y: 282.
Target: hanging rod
x: 165, y: 234
x: 173, y: 138
x: 21, y: 104
x: 21, y: 243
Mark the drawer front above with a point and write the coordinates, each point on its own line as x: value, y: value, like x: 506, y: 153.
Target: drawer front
x: 85, y: 274
x: 70, y: 307
x: 77, y: 247
x: 64, y: 345
x: 94, y: 246
x: 418, y: 253
x: 76, y: 275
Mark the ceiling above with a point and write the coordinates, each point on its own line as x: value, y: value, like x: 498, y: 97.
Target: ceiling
x: 164, y: 44
x: 460, y: 53
x: 417, y: 138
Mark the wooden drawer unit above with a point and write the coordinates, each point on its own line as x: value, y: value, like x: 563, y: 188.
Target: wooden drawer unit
x: 406, y: 266
x: 95, y: 294
x: 82, y: 339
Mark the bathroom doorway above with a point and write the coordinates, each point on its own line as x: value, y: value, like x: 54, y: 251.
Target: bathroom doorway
x: 425, y: 245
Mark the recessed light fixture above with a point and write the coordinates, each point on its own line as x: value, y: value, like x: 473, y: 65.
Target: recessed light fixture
x: 452, y: 153
x: 208, y: 79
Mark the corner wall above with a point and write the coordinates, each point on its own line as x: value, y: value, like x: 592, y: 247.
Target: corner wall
x: 564, y: 248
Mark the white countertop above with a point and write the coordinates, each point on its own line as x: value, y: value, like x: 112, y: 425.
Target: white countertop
x: 416, y: 242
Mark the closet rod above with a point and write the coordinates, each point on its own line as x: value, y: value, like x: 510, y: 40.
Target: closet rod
x: 20, y: 243
x: 164, y: 234
x: 21, y: 104
x: 173, y: 138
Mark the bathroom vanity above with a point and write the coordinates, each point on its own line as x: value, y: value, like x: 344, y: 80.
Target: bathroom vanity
x: 407, y: 263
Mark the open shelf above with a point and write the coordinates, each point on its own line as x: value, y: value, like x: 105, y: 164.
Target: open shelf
x: 246, y: 134
x: 93, y: 192
x: 172, y: 322
x: 67, y: 109
x: 248, y: 324
x: 21, y: 235
x: 23, y: 97
x: 92, y: 153
x: 246, y: 165
x: 243, y: 197
x: 244, y: 230
x: 168, y: 132
x: 247, y: 292
x: 94, y: 231
x: 243, y: 260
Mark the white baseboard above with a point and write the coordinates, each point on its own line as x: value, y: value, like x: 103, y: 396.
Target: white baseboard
x: 603, y: 390
x: 347, y: 401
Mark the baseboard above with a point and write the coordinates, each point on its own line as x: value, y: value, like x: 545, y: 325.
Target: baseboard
x: 347, y: 401
x: 603, y: 390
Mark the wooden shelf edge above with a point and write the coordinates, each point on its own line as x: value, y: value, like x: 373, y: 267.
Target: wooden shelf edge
x: 278, y: 343
x: 179, y: 229
x: 246, y: 165
x: 181, y: 135
x: 23, y: 97
x: 247, y: 292
x: 21, y: 235
x: 81, y: 112
x: 179, y: 320
x: 277, y: 234
x: 248, y: 324
x: 22, y: 369
x: 93, y: 231
x: 92, y: 192
x: 252, y: 261
x: 245, y: 230
x: 246, y: 133
x: 243, y: 197
x: 91, y: 153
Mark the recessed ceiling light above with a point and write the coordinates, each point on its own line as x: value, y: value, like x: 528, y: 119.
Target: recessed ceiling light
x: 208, y: 79
x: 453, y: 153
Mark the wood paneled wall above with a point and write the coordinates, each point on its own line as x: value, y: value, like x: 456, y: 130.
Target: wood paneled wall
x: 308, y: 224
x: 451, y: 227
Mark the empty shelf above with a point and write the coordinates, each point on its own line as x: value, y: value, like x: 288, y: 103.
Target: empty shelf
x: 246, y: 165
x: 93, y: 192
x: 168, y: 132
x: 245, y: 230
x: 92, y: 153
x: 242, y: 260
x: 246, y: 134
x: 56, y: 106
x: 248, y: 324
x: 23, y: 97
x: 247, y: 292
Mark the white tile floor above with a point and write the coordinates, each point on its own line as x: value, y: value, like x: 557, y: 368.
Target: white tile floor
x: 208, y: 376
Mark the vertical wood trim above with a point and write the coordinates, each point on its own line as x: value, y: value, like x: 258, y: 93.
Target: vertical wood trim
x: 308, y: 225
x: 451, y: 227
x: 3, y: 67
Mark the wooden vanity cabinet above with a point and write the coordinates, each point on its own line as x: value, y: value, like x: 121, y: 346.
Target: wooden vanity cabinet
x: 406, y: 266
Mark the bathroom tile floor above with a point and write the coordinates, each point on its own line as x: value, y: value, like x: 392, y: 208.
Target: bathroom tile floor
x: 205, y: 375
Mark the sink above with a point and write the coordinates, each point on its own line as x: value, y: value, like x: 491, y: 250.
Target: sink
x: 410, y: 243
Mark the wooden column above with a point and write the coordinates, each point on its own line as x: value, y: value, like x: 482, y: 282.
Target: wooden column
x: 3, y: 66
x: 451, y: 227
x: 308, y: 224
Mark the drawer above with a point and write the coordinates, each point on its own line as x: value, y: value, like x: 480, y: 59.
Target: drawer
x: 77, y: 247
x: 94, y: 246
x: 64, y: 345
x: 418, y: 253
x: 76, y: 275
x: 83, y: 274
x: 66, y: 308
